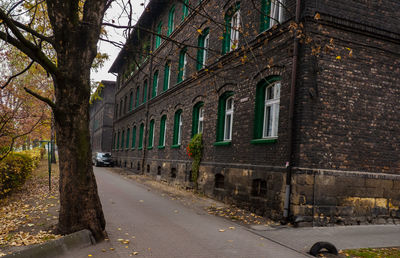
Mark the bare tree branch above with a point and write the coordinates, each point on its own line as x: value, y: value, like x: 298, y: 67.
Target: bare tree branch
x: 16, y: 75
x: 44, y: 99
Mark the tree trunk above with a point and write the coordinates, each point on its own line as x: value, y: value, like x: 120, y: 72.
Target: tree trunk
x: 80, y: 206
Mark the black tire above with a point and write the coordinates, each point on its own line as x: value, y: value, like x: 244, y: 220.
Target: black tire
x: 317, y: 247
x: 97, y: 164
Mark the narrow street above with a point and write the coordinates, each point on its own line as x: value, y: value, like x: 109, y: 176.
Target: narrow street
x: 159, y: 226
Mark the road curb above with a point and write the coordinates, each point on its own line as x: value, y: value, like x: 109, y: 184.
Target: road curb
x: 54, y: 248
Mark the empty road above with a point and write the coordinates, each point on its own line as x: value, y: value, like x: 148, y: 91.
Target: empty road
x: 157, y: 225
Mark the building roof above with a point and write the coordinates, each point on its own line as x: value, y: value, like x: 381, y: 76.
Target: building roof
x: 153, y: 8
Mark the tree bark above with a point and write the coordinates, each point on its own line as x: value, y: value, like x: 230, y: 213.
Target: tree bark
x: 80, y: 206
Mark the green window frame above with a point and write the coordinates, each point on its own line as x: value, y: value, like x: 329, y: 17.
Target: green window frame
x: 167, y: 75
x: 265, y: 12
x: 137, y: 103
x: 227, y: 41
x: 145, y: 91
x: 128, y: 133
x: 271, y: 13
x: 122, y: 139
x: 158, y: 36
x: 130, y: 101
x: 155, y: 85
x: 196, y: 116
x: 261, y: 103
x: 114, y: 142
x: 202, y: 50
x: 134, y: 137
x: 182, y: 65
x: 151, y: 134
x: 163, y: 128
x: 221, y: 117
x: 177, y: 136
x: 141, y: 130
x: 118, y: 141
x: 171, y: 18
x: 185, y: 9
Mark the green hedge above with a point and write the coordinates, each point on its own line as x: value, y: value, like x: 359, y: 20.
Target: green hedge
x: 15, y: 168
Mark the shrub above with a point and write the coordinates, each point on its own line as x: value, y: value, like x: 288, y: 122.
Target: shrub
x: 15, y: 168
x: 195, y: 151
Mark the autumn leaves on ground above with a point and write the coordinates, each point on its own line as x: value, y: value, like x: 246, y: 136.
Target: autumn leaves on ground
x: 29, y: 215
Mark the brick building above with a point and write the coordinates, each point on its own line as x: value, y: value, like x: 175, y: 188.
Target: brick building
x: 101, y: 118
x: 299, y: 119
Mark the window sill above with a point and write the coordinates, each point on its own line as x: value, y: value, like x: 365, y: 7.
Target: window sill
x: 264, y: 141
x: 133, y: 148
x: 222, y: 143
x: 176, y: 146
x: 150, y: 148
x: 140, y: 148
x: 161, y: 147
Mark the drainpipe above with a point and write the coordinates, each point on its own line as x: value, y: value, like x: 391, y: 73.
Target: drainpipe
x: 290, y: 162
x: 149, y: 86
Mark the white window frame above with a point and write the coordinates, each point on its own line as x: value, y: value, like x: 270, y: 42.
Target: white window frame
x: 165, y: 132
x: 169, y: 74
x: 276, y: 14
x: 179, y: 129
x: 205, y: 51
x: 184, y: 68
x: 270, y: 129
x: 235, y: 27
x: 228, y: 113
x: 201, y: 120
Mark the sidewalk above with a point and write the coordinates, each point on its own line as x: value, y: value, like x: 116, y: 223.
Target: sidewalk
x: 343, y: 237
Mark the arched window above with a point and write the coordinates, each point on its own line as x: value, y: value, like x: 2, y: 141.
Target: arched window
x: 167, y: 75
x: 171, y: 18
x: 232, y: 27
x: 137, y: 97
x: 267, y: 108
x: 176, y: 141
x: 155, y: 85
x: 225, y: 118
x: 158, y: 37
x: 145, y: 91
x: 151, y: 134
x: 198, y: 118
x: 182, y: 69
x: 117, y: 148
x: 271, y: 13
x: 133, y: 137
x: 141, y: 130
x: 163, y: 130
x: 128, y: 133
x: 185, y: 9
x: 130, y: 101
x: 202, y: 51
x: 122, y: 139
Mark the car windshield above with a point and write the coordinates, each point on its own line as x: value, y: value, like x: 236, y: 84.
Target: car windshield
x: 106, y: 155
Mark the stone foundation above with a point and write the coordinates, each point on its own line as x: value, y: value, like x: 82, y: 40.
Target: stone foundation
x: 322, y: 198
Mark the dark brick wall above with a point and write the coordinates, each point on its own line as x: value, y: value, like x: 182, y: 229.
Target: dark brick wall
x: 101, y: 119
x: 352, y: 120
x: 346, y: 111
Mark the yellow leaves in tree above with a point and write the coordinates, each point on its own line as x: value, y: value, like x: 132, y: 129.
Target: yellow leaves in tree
x: 338, y: 57
x: 200, y: 31
x: 317, y: 16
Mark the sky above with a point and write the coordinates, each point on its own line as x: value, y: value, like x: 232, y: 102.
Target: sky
x: 113, y: 13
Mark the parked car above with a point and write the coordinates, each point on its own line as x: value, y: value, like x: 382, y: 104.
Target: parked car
x: 102, y: 159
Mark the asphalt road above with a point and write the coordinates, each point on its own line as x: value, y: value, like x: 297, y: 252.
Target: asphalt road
x: 159, y: 226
